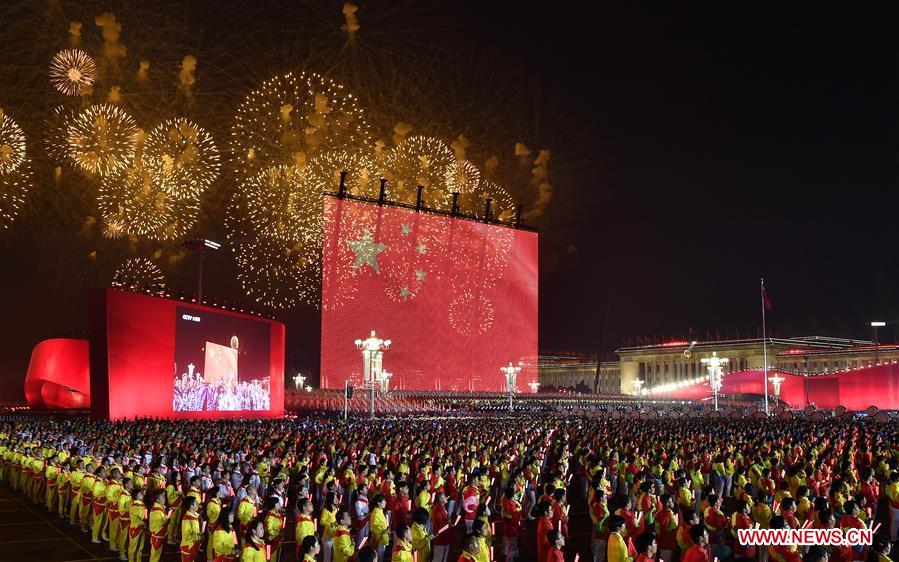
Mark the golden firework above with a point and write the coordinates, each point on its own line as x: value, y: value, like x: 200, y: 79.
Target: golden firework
x: 462, y: 177
x: 418, y: 161
x: 12, y: 145
x: 362, y: 179
x: 15, y: 171
x: 292, y: 118
x: 282, y: 204
x: 71, y: 70
x: 131, y: 199
x: 56, y: 129
x: 139, y: 272
x: 182, y: 157
x: 113, y: 228
x: 13, y: 187
x: 276, y: 274
x: 502, y: 207
x: 102, y: 139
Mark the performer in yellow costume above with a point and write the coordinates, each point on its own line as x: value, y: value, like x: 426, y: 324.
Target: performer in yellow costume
x: 159, y: 520
x: 137, y: 525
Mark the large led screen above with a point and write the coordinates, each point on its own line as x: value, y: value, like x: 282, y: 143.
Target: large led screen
x: 152, y: 356
x: 221, y: 362
x: 456, y: 298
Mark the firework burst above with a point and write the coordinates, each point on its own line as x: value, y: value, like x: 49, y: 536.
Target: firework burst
x: 132, y: 200
x: 182, y: 157
x: 279, y: 275
x: 280, y: 203
x: 418, y: 161
x: 56, y: 130
x: 502, y: 207
x: 71, y: 70
x: 139, y: 272
x: 149, y: 188
x: 362, y: 179
x: 462, y: 177
x: 15, y: 172
x: 292, y: 118
x: 12, y: 145
x: 113, y: 229
x: 102, y: 139
x: 13, y: 188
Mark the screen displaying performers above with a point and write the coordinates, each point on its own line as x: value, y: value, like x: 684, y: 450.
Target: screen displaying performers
x: 221, y: 362
x: 170, y: 358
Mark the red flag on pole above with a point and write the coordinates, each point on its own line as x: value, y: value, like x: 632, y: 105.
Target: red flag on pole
x: 765, y: 299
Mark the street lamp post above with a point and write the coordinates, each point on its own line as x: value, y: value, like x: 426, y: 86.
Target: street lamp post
x: 346, y: 399
x: 714, y: 365
x: 776, y: 380
x: 511, y: 372
x: 372, y: 349
x: 201, y: 246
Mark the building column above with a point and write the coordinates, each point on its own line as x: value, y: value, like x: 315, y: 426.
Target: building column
x: 627, y: 377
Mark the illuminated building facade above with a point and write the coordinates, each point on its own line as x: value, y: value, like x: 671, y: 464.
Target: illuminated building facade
x: 678, y: 361
x: 668, y: 363
x: 566, y: 370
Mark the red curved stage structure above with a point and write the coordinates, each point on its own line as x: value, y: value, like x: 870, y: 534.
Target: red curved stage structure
x: 855, y: 390
x: 59, y: 375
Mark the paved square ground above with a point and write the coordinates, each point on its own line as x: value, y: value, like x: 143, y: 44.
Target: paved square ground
x: 28, y: 533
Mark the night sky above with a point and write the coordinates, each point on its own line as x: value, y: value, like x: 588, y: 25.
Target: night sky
x: 694, y: 150
x: 731, y: 143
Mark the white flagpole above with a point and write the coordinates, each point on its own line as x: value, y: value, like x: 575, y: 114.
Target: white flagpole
x: 764, y: 347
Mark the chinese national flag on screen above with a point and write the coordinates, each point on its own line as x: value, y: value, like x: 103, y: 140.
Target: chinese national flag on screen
x: 457, y: 298
x: 220, y: 364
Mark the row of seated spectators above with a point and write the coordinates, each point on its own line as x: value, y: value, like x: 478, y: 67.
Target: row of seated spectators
x: 443, y: 403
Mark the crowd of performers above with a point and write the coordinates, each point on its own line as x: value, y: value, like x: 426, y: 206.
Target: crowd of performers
x: 193, y: 394
x: 422, y: 490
